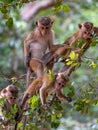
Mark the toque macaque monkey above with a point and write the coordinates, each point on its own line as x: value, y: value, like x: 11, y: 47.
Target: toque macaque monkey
x: 85, y: 32
x: 45, y: 86
x: 35, y: 46
x: 10, y: 95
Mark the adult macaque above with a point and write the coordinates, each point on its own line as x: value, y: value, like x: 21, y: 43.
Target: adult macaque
x: 10, y: 94
x: 35, y: 46
x: 45, y: 86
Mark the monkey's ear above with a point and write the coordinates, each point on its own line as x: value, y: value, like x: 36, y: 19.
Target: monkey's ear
x: 4, y: 91
x: 80, y: 26
x: 55, y: 75
x: 36, y: 23
x: 52, y: 22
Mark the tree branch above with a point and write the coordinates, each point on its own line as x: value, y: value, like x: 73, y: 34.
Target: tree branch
x: 32, y: 8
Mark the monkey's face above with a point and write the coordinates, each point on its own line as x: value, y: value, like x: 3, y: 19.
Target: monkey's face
x: 59, y: 83
x: 86, y: 33
x: 8, y: 95
x: 11, y: 99
x: 44, y: 29
x: 86, y: 30
x: 13, y: 90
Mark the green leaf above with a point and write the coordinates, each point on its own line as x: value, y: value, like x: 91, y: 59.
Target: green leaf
x: 3, y: 10
x: 53, y: 118
x: 20, y: 125
x: 59, y: 115
x: 32, y: 101
x: 86, y: 100
x: 66, y: 8
x: 6, y: 16
x: 9, y: 22
x: 55, y: 124
x: 76, y: 56
x: 69, y: 62
x: 69, y: 91
x: 57, y: 106
x: 72, y: 55
x: 14, y: 79
x: 51, y: 77
x: 95, y: 102
x: 74, y: 64
x: 93, y: 64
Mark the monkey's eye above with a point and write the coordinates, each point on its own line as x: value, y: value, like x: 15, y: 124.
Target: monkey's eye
x: 89, y: 33
x: 11, y: 97
x: 62, y: 85
x: 85, y: 32
x: 47, y: 27
x: 42, y: 27
x: 11, y: 91
x: 59, y: 84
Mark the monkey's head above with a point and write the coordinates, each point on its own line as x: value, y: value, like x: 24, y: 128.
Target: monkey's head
x: 60, y: 81
x: 44, y: 25
x: 13, y: 89
x: 8, y: 96
x: 86, y: 29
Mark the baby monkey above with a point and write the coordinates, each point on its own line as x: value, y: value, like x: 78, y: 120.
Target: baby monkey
x: 45, y: 86
x: 85, y: 32
x: 10, y: 95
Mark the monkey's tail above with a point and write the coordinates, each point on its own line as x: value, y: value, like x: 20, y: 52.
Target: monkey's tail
x: 16, y: 126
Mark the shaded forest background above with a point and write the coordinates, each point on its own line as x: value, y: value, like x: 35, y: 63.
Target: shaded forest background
x: 16, y: 22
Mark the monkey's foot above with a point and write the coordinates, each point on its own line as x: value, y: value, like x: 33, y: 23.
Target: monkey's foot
x: 68, y: 99
x: 46, y: 106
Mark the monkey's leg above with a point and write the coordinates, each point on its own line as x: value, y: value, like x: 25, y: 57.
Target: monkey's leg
x: 40, y: 70
x: 28, y: 77
x: 43, y: 95
x: 62, y: 96
x: 37, y: 66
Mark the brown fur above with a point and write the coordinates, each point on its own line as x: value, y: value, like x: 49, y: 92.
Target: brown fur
x: 84, y: 32
x: 36, y: 45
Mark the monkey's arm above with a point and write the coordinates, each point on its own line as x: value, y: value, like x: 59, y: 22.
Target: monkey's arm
x: 46, y: 88
x: 51, y: 40
x: 61, y: 50
x: 43, y: 94
x: 27, y: 42
x: 43, y: 88
x: 60, y: 95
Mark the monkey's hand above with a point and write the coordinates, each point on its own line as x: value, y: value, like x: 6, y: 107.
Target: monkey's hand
x: 27, y: 60
x: 46, y: 106
x: 18, y: 117
x: 68, y: 99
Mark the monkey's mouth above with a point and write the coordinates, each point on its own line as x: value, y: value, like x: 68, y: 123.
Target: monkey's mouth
x: 57, y: 87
